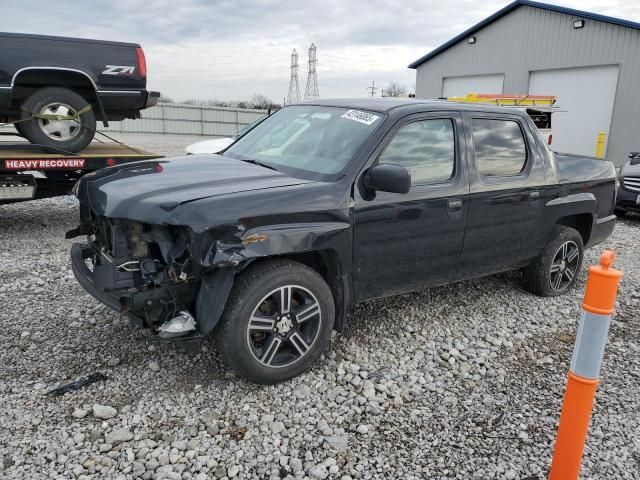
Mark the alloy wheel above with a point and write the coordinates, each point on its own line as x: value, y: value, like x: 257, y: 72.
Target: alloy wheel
x: 564, y: 266
x: 60, y: 130
x: 284, y: 326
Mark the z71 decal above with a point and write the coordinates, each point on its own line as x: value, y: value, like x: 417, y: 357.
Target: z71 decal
x: 118, y: 70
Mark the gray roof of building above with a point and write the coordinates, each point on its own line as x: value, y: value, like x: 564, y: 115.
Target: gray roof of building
x: 510, y: 8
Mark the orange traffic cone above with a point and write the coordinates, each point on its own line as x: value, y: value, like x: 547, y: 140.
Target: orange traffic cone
x: 598, y: 306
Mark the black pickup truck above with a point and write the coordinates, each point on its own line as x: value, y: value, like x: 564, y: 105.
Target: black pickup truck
x: 329, y: 203
x: 56, y: 87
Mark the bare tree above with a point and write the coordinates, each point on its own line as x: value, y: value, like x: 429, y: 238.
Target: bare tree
x: 164, y: 99
x: 394, y: 89
x: 261, y: 102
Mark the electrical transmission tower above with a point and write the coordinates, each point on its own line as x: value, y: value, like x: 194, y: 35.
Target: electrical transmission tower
x: 294, y: 89
x: 311, y: 91
x: 372, y: 89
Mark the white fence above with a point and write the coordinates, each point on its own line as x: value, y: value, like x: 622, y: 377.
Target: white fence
x: 171, y: 118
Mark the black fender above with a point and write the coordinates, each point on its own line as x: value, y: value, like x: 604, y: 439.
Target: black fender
x: 577, y: 210
x: 236, y: 248
x: 212, y: 298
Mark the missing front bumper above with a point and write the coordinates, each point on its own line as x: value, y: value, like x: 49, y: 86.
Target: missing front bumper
x: 147, y: 308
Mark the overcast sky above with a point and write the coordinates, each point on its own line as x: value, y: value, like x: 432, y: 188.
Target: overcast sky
x: 231, y: 49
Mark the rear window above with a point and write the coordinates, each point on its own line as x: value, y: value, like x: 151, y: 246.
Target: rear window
x: 500, y: 149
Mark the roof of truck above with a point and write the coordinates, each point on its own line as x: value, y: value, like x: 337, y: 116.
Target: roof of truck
x: 389, y: 104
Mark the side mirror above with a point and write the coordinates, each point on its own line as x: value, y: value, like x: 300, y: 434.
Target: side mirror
x: 386, y: 177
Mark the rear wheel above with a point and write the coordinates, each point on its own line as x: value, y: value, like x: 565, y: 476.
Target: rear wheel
x: 277, y: 322
x: 555, y: 270
x: 18, y: 127
x: 620, y: 212
x: 65, y: 133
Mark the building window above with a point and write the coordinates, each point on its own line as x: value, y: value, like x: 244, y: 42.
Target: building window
x: 500, y: 149
x: 426, y: 148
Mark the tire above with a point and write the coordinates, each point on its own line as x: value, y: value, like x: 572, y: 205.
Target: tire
x: 18, y: 127
x: 539, y: 278
x: 266, y: 350
x: 619, y: 212
x: 67, y: 135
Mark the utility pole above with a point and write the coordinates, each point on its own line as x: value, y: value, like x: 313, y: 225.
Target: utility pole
x: 294, y: 89
x: 372, y: 89
x: 311, y: 91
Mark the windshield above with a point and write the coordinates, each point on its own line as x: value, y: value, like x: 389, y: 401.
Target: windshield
x: 248, y: 127
x: 320, y: 140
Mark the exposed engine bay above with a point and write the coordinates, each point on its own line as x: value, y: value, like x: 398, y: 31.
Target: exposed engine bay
x: 148, y: 267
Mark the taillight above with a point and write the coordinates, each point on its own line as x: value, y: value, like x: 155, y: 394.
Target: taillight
x: 550, y: 139
x: 142, y: 62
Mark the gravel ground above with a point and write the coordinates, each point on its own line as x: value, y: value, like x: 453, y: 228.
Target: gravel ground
x: 463, y: 381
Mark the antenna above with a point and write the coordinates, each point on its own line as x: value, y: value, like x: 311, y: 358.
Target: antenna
x: 294, y: 89
x: 372, y: 89
x: 311, y: 91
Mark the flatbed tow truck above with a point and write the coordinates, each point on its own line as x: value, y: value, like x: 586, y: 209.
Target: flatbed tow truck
x: 28, y: 173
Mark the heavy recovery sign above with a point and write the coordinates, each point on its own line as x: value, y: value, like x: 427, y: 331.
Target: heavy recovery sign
x: 44, y: 164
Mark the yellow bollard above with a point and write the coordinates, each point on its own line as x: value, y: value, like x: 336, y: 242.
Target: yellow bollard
x: 600, y: 144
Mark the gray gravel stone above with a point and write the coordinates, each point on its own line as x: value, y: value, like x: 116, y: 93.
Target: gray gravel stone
x: 80, y: 413
x: 118, y: 436
x: 104, y: 412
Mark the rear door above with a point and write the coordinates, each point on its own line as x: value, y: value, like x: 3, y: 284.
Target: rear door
x: 507, y: 190
x: 403, y: 242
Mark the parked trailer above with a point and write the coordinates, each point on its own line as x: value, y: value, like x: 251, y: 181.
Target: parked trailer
x: 28, y: 174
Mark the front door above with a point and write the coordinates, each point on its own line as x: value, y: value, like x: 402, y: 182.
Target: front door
x: 404, y: 242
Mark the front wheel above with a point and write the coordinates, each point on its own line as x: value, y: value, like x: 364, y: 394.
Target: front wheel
x: 277, y: 322
x: 555, y: 270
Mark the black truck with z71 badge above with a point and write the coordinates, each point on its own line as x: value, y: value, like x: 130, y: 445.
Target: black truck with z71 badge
x: 329, y: 203
x: 53, y: 89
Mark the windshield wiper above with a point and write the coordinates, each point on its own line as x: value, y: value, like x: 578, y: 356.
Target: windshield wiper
x: 257, y: 162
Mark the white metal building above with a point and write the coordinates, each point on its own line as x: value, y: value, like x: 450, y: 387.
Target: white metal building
x: 589, y: 61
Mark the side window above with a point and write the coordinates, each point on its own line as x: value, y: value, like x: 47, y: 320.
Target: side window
x: 426, y: 148
x: 500, y: 150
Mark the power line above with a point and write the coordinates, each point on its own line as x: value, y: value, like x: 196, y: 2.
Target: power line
x: 311, y: 91
x: 373, y: 89
x: 294, y: 89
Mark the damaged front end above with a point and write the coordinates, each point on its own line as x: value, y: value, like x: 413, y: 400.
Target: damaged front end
x: 141, y: 270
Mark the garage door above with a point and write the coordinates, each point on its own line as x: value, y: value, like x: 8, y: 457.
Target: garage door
x: 587, y: 94
x: 461, y: 86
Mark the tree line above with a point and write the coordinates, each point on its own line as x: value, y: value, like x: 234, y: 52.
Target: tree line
x: 258, y: 101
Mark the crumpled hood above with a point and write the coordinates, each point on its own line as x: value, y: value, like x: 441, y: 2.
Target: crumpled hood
x: 153, y: 188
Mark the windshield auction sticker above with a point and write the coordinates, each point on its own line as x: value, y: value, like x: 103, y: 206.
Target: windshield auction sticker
x: 359, y: 116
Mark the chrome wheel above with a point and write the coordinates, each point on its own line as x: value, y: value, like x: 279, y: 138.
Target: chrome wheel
x: 284, y: 326
x: 564, y: 266
x: 60, y: 130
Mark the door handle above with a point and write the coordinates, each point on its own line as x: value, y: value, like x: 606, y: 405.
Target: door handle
x: 454, y: 205
x: 506, y: 198
x: 534, y: 196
